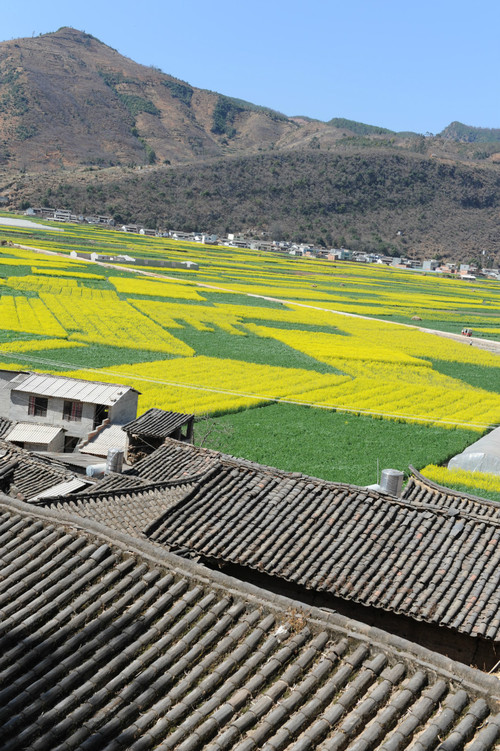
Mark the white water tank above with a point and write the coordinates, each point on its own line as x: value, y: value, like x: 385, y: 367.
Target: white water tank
x: 95, y: 470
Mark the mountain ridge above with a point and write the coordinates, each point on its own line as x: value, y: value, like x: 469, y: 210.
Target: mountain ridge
x: 84, y: 127
x: 69, y: 88
x: 102, y: 108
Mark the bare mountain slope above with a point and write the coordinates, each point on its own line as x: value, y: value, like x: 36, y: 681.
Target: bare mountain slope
x: 67, y: 99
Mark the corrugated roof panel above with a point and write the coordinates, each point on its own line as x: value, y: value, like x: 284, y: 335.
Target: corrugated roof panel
x: 33, y: 433
x: 69, y: 388
x: 63, y: 488
x: 111, y: 437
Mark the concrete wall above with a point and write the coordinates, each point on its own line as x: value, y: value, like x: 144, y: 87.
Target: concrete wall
x: 15, y: 404
x: 6, y: 384
x: 125, y: 408
x: 19, y: 411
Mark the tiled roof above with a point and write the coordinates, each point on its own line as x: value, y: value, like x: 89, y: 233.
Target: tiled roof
x: 105, y: 646
x: 29, y: 474
x: 132, y: 500
x: 428, y: 563
x: 175, y: 460
x: 423, y: 491
x: 157, y: 422
x: 69, y: 388
x: 127, y: 510
x: 119, y: 481
x: 5, y: 426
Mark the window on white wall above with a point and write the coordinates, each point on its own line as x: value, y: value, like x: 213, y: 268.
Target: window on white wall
x: 72, y: 411
x: 37, y: 406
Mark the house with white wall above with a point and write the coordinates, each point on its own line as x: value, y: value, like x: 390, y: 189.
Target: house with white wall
x: 73, y: 408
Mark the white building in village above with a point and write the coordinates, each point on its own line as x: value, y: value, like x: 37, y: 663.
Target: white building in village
x: 55, y: 413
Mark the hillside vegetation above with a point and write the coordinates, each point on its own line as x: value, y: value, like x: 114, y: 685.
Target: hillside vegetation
x: 396, y: 203
x: 459, y: 132
x: 85, y: 128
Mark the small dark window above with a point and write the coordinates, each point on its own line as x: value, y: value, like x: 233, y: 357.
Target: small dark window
x: 72, y: 411
x: 38, y: 406
x: 100, y: 414
x: 70, y: 443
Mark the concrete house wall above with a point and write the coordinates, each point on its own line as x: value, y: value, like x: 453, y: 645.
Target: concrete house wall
x: 6, y: 377
x: 14, y: 404
x: 57, y: 445
x: 19, y: 404
x: 125, y: 409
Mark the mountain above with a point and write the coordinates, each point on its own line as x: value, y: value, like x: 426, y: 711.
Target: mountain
x: 360, y: 128
x: 459, y: 132
x: 389, y: 202
x: 68, y: 99
x: 85, y: 128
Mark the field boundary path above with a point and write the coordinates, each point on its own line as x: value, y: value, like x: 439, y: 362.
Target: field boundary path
x: 487, y: 344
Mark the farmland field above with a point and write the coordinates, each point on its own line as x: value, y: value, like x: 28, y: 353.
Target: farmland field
x: 482, y: 484
x: 260, y: 344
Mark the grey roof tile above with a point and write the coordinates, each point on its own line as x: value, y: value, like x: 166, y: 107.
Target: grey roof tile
x: 346, y: 541
x: 485, y: 739
x: 456, y: 739
x: 134, y: 656
x: 25, y: 475
x: 421, y: 490
x: 175, y: 461
x: 129, y: 509
x: 5, y: 426
x: 157, y: 422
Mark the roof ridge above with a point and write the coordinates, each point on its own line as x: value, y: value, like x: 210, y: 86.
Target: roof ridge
x: 151, y: 528
x: 400, y: 501
x: 96, y: 494
x: 450, y: 491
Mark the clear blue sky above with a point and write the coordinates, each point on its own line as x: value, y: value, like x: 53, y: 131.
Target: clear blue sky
x: 404, y: 66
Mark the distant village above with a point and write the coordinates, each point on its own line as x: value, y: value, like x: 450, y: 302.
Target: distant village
x: 465, y: 271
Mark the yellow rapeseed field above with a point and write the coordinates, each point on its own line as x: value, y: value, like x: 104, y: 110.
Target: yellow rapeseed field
x: 476, y: 481
x: 308, y: 311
